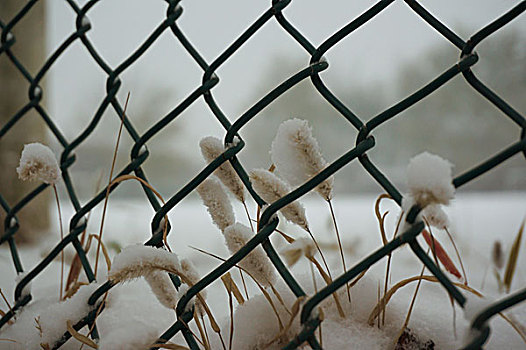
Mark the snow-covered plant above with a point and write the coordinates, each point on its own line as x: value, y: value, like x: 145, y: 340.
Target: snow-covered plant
x: 139, y: 260
x: 211, y: 148
x: 436, y: 216
x: 295, y: 250
x: 271, y: 188
x: 256, y: 262
x: 152, y: 263
x: 430, y: 180
x: 163, y: 288
x: 297, y: 155
x: 38, y: 162
x: 216, y: 201
x: 193, y: 276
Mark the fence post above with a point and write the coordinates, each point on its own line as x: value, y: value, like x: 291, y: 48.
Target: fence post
x: 29, y: 49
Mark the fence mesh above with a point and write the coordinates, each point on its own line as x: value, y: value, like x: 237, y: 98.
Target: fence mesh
x: 139, y: 153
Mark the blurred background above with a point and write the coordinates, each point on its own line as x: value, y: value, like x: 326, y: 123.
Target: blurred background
x: 384, y: 61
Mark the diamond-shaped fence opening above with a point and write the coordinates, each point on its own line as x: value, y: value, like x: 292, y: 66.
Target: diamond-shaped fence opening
x: 365, y: 127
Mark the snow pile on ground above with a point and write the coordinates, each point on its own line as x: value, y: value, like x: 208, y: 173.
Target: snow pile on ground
x: 45, y: 321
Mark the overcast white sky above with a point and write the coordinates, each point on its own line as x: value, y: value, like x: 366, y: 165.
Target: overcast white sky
x: 373, y: 52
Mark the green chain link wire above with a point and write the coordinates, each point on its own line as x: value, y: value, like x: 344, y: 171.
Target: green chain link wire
x: 139, y: 154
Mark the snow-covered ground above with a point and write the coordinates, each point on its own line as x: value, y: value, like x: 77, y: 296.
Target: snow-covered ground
x: 134, y: 316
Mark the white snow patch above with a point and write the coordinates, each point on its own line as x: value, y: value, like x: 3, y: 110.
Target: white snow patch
x: 430, y: 179
x: 38, y: 162
x: 52, y: 317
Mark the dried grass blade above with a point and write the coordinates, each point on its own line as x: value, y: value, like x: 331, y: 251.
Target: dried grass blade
x: 294, y: 312
x: 441, y: 254
x: 80, y: 337
x: 170, y: 346
x: 396, y: 287
x: 73, y: 289
x: 109, y: 181
x: 104, y: 250
x: 328, y: 280
x: 231, y: 287
x: 512, y: 259
x: 6, y: 339
x: 265, y: 293
x: 280, y: 299
x: 204, y: 337
x: 76, y: 266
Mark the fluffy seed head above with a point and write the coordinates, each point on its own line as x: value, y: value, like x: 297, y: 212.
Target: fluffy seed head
x: 163, y: 288
x: 271, y: 188
x: 297, y: 155
x: 139, y: 260
x: 430, y: 180
x: 191, y: 273
x: 300, y: 247
x: 38, y: 162
x: 497, y: 255
x: 211, y: 148
x: 216, y: 201
x: 256, y: 262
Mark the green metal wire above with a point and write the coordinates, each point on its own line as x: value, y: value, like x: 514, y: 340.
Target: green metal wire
x: 314, y: 67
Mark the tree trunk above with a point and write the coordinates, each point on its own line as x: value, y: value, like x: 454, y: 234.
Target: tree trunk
x: 29, y: 49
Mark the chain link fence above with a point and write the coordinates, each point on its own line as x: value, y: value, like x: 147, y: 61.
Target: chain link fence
x: 139, y: 153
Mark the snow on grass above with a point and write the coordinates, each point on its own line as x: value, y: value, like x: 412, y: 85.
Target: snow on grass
x: 38, y: 162
x: 271, y: 188
x: 297, y: 155
x: 139, y: 260
x: 44, y: 321
x: 430, y: 179
x: 133, y: 313
x: 256, y: 262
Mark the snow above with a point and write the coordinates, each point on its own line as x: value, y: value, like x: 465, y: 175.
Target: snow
x: 474, y: 306
x: 435, y: 216
x: 139, y: 260
x: 430, y: 180
x: 134, y: 316
x: 38, y: 162
x: 27, y: 288
x: 297, y: 155
x: 50, y: 316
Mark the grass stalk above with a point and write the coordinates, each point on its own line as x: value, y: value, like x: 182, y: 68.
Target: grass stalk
x: 109, y: 182
x: 61, y: 239
x: 339, y: 244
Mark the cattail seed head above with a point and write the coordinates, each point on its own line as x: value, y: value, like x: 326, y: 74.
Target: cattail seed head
x: 38, y: 162
x: 271, y: 188
x: 216, y: 200
x: 497, y: 255
x: 256, y: 262
x: 297, y: 155
x: 211, y: 148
